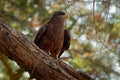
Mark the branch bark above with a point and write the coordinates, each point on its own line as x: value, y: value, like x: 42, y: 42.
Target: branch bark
x: 34, y: 60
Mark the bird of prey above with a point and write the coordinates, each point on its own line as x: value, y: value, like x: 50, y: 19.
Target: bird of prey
x: 52, y: 37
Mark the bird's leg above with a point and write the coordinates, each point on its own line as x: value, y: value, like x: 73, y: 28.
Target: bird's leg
x: 49, y: 53
x: 59, y: 60
x: 57, y: 57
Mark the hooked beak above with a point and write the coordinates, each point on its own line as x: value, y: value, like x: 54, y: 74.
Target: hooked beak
x: 66, y: 16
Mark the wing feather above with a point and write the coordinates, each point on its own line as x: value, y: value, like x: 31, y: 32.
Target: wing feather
x: 40, y: 34
x: 66, y: 42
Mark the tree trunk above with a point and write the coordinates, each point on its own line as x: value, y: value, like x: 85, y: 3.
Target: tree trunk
x: 32, y: 59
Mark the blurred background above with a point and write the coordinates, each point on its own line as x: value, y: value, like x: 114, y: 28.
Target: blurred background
x: 94, y: 26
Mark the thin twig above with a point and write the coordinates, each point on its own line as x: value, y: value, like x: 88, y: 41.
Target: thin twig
x: 107, y: 12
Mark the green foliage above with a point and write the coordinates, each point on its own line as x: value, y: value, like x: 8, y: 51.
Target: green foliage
x: 94, y: 27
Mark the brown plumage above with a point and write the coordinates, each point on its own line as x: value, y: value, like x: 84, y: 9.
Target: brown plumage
x: 52, y: 37
x: 66, y: 42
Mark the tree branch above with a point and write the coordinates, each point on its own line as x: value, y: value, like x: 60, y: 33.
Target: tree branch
x: 34, y: 60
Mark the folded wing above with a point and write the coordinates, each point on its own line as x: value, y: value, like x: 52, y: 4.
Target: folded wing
x: 39, y: 34
x: 66, y: 43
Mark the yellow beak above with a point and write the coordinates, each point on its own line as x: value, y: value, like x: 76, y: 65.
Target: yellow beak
x: 67, y: 16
